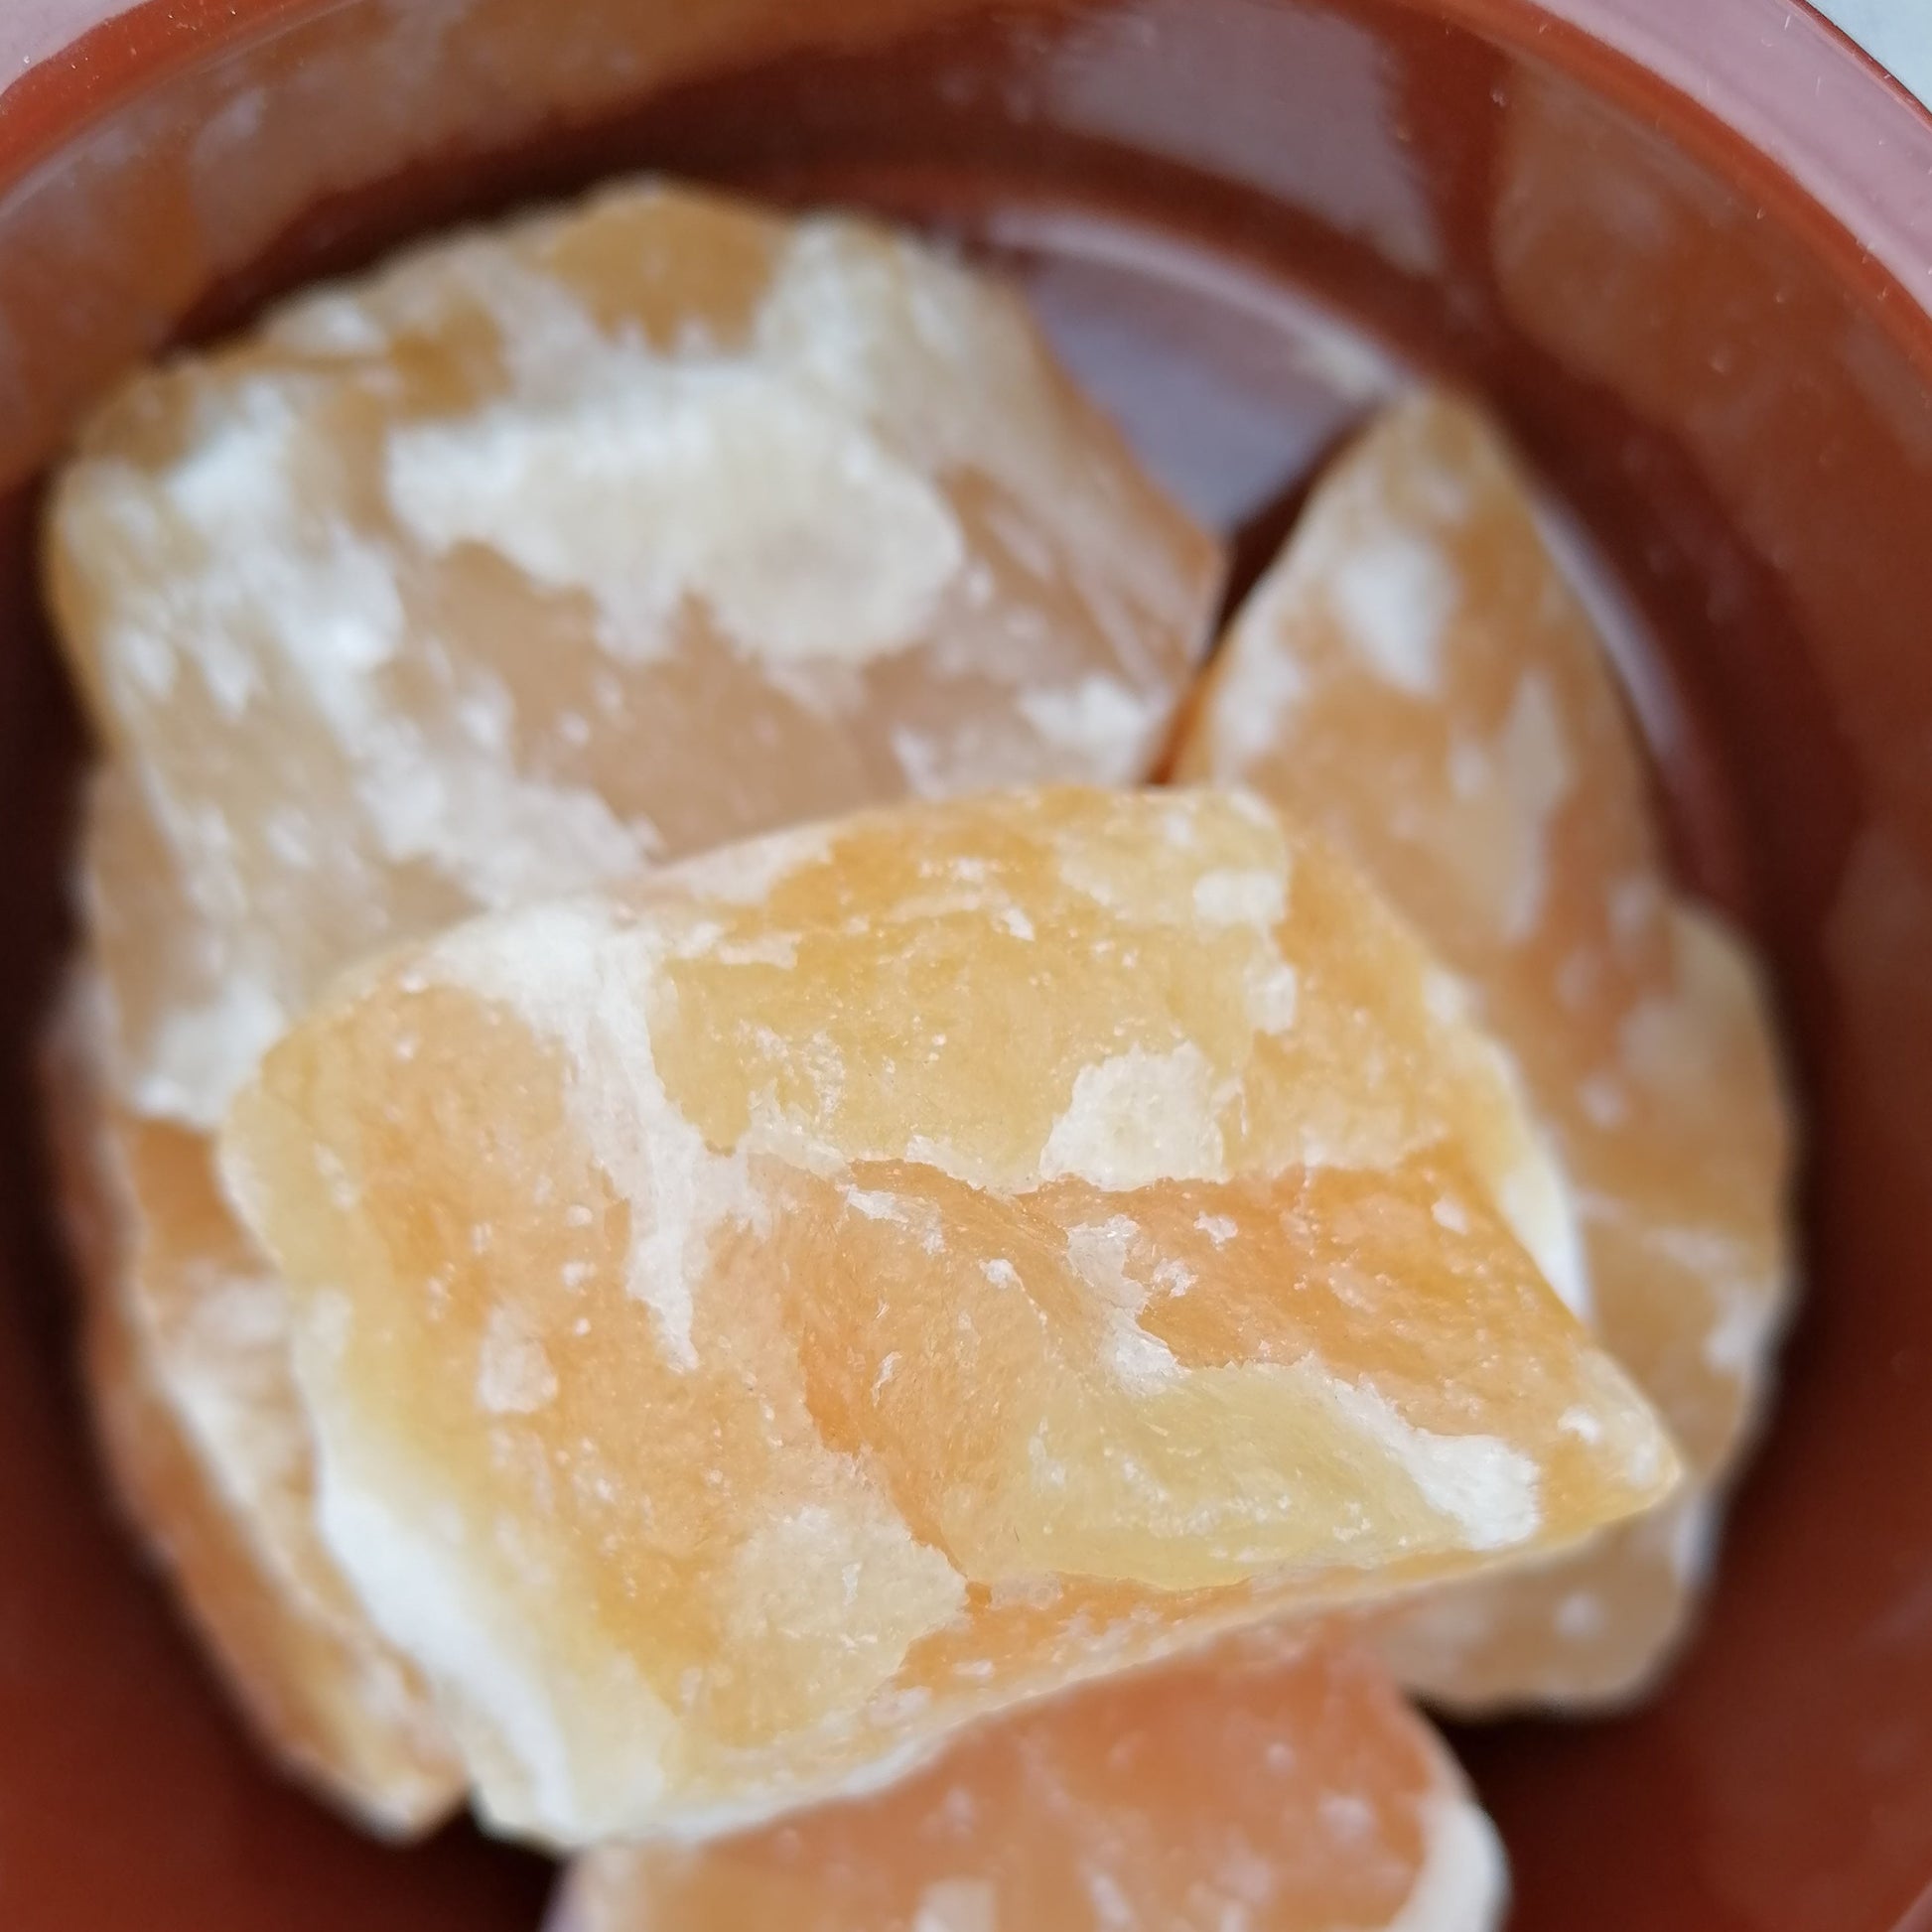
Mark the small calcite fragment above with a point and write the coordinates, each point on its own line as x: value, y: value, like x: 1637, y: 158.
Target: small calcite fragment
x: 598, y: 538
x: 759, y: 1320
x: 1417, y: 677
x: 187, y: 1361
x: 593, y: 539
x: 1298, y: 1796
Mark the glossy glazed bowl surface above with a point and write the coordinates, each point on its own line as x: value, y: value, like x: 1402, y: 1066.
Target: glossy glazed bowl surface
x: 1685, y: 250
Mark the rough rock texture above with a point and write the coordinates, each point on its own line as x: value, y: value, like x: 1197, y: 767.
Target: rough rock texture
x: 756, y: 1320
x: 1227, y: 1796
x: 186, y: 1352
x: 1416, y: 675
x: 541, y: 554
x: 602, y: 538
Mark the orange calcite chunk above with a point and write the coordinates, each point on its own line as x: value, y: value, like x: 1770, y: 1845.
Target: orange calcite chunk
x: 598, y: 538
x: 1230, y: 1796
x: 1417, y: 677
x: 188, y: 1367
x: 759, y: 1320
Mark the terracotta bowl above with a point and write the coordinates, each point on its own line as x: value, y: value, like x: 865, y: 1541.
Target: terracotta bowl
x: 1684, y: 246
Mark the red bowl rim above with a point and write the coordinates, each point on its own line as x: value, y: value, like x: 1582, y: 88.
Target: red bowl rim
x: 1769, y: 92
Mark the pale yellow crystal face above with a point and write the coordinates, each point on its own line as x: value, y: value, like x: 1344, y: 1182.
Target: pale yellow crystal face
x: 187, y: 1369
x: 541, y: 553
x: 760, y: 1319
x: 1299, y: 1796
x: 1417, y: 678
x: 602, y: 538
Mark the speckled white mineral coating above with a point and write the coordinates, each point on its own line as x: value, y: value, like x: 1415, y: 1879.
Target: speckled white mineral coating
x: 748, y: 1340
x: 1416, y: 675
x: 541, y: 555
x: 595, y: 539
x: 1301, y: 1795
x: 209, y: 1451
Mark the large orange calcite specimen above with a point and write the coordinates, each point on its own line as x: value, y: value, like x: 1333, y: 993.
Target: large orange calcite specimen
x: 1416, y: 675
x: 596, y: 538
x: 1227, y: 1796
x: 757, y: 1320
x: 540, y: 554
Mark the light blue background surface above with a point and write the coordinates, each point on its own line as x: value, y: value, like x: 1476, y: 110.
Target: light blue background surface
x: 1898, y: 31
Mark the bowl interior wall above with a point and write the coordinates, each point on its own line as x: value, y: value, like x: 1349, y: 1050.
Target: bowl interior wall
x: 1243, y: 219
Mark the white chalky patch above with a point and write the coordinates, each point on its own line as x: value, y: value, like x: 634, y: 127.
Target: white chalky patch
x: 1098, y: 1253
x: 198, y: 1056
x: 1173, y: 1277
x: 321, y: 600
x: 876, y: 1206
x: 1346, y: 1815
x: 805, y: 537
x: 1138, y: 1118
x: 1484, y: 1485
x: 749, y: 873
x: 1107, y: 724
x: 1395, y: 596
x: 1227, y: 897
x: 1536, y: 1201
x: 1581, y: 1616
x: 503, y: 838
x: 901, y: 339
x: 800, y: 1576
x: 1604, y: 1101
x: 1533, y: 756
x: 1259, y: 682
x: 514, y: 1372
x: 1463, y: 1881
x: 578, y: 980
x: 438, y: 1603
x: 225, y: 1369
x: 958, y: 1905
x: 1112, y: 1909
x: 1738, y: 1342
x: 1274, y: 995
